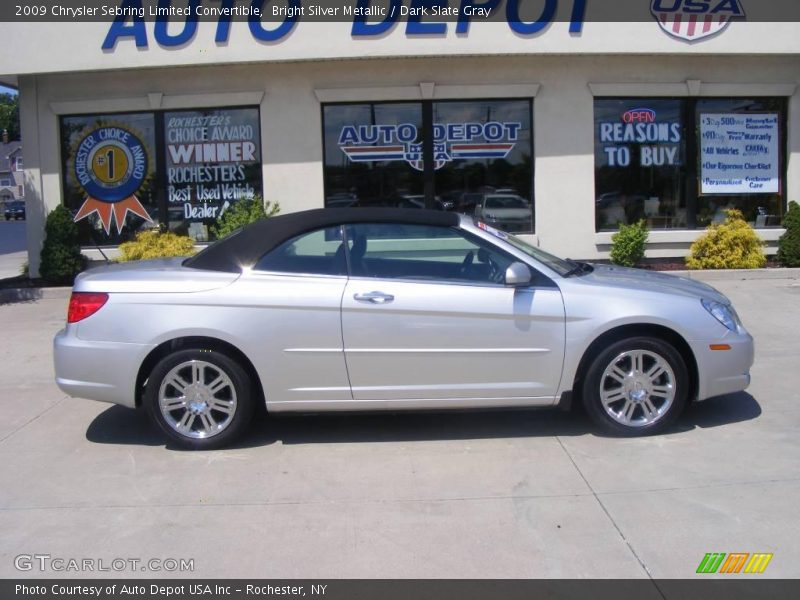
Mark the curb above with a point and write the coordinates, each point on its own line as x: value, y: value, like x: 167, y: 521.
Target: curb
x: 16, y: 295
x: 738, y: 274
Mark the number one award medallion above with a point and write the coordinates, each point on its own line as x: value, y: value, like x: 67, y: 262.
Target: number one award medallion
x: 110, y: 165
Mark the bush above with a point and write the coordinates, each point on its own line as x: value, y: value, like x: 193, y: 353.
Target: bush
x: 153, y: 244
x: 789, y: 244
x: 244, y: 212
x: 629, y: 243
x: 61, y: 258
x: 729, y: 245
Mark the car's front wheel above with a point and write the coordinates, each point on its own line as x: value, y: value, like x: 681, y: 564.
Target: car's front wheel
x: 202, y: 399
x: 637, y: 386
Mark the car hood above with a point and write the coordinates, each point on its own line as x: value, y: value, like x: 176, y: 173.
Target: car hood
x: 641, y: 280
x: 162, y: 275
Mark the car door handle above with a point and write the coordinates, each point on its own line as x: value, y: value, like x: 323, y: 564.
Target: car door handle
x: 374, y: 298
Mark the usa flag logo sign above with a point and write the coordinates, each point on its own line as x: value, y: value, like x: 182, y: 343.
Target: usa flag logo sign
x: 693, y: 20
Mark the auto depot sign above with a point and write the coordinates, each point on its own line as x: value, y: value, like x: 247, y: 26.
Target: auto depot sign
x: 177, y: 22
x: 370, y: 18
x: 126, y: 34
x: 689, y: 20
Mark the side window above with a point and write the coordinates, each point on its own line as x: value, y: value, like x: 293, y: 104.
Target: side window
x: 424, y: 252
x: 319, y: 252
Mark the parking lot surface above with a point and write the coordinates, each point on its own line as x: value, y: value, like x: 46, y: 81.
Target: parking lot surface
x: 13, y: 252
x: 518, y: 494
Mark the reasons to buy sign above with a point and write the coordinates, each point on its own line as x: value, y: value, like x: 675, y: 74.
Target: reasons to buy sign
x: 658, y: 141
x: 739, y: 153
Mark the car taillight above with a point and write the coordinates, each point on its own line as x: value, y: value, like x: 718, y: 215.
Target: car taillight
x: 84, y: 304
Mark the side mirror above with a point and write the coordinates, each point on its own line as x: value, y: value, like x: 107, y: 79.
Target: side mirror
x: 518, y: 274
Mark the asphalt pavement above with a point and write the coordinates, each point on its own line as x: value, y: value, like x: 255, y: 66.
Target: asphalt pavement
x: 470, y: 495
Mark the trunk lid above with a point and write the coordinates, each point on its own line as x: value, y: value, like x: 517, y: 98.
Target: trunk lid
x: 161, y: 275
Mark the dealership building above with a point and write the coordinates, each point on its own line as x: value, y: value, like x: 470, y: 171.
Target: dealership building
x: 554, y: 126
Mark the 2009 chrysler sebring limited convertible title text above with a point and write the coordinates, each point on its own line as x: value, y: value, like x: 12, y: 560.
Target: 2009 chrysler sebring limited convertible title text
x: 386, y: 309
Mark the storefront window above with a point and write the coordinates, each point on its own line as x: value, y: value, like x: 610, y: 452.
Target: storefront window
x: 681, y: 163
x: 373, y: 155
x: 482, y: 158
x: 125, y: 172
x: 109, y: 168
x: 639, y: 158
x: 741, y: 160
x: 486, y: 162
x: 213, y: 159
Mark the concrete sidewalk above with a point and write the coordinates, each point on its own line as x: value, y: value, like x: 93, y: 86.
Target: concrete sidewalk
x: 505, y: 494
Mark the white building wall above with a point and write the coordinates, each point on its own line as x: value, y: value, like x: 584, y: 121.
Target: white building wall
x: 290, y: 98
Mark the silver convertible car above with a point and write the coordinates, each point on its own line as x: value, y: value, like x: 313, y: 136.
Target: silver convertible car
x: 389, y: 309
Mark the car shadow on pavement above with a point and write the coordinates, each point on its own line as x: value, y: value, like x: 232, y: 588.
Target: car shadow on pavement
x: 119, y: 425
x: 723, y: 410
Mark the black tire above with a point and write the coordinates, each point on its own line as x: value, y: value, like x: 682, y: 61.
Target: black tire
x: 213, y: 362
x: 633, y: 388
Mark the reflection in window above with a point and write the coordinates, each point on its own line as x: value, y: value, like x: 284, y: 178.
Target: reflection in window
x: 639, y: 156
x: 486, y: 166
x: 681, y: 163
x: 373, y: 155
x: 424, y: 252
x: 482, y: 151
x: 320, y: 252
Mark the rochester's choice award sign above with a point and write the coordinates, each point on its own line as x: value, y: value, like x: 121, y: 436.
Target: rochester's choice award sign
x: 213, y: 160
x: 739, y: 153
x: 111, y: 165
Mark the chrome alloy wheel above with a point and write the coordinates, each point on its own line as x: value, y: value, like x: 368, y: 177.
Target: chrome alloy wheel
x: 637, y: 388
x: 197, y: 399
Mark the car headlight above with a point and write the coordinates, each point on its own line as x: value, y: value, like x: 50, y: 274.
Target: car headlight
x: 722, y: 313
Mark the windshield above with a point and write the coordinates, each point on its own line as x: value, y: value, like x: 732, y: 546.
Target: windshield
x: 559, y: 265
x: 505, y: 202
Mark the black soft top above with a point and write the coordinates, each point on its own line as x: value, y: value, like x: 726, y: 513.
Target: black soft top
x: 244, y: 247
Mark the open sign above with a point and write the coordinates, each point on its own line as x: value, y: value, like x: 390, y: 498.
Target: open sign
x: 639, y: 115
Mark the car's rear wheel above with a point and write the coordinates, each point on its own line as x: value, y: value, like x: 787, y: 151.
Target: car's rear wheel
x: 637, y: 386
x: 202, y: 399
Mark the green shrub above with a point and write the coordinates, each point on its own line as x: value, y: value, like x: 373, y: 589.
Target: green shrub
x: 153, y: 244
x: 61, y: 258
x: 729, y: 245
x: 244, y: 212
x: 629, y: 243
x: 789, y: 244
